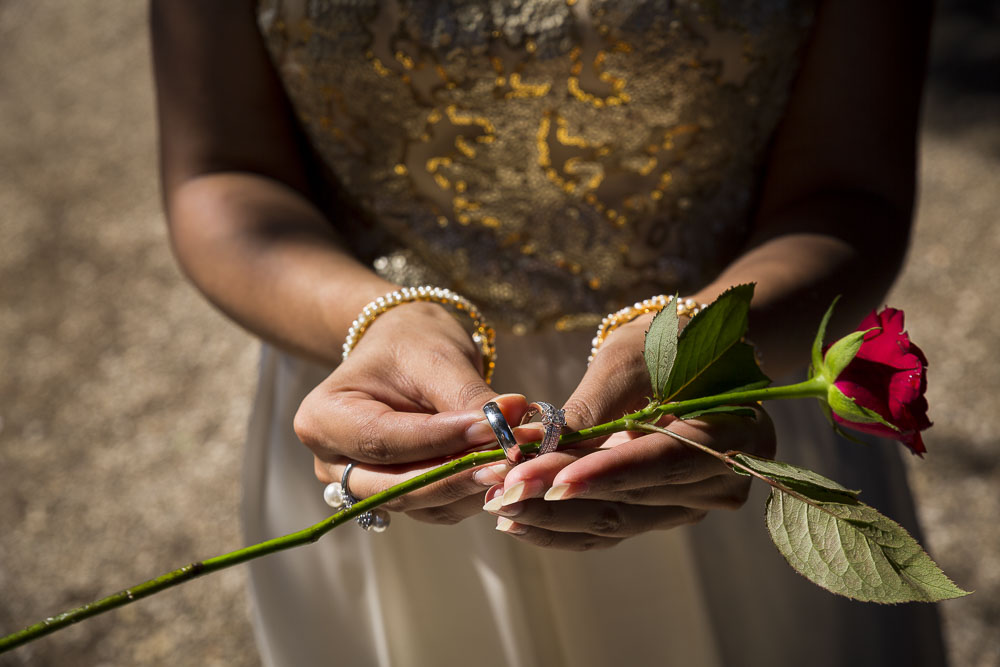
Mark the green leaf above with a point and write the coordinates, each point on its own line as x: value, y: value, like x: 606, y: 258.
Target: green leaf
x: 736, y: 410
x: 817, y: 348
x: 847, y: 408
x: 705, y: 341
x: 854, y: 551
x: 735, y: 370
x: 843, y: 352
x: 808, y: 483
x: 661, y: 347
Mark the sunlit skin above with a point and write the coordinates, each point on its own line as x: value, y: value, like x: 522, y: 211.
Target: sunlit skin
x: 833, y: 217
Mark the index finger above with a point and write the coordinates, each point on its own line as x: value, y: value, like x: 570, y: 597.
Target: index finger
x: 355, y: 425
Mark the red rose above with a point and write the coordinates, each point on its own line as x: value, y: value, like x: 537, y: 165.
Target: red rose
x: 888, y: 376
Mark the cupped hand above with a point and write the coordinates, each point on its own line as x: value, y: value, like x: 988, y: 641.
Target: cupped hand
x: 407, y: 398
x: 580, y: 498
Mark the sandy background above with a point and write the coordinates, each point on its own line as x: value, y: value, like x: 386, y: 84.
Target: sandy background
x: 123, y: 396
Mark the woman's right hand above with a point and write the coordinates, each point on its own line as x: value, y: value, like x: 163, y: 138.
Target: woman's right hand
x: 408, y: 397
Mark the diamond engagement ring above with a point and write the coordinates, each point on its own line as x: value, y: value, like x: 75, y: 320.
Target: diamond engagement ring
x: 553, y: 420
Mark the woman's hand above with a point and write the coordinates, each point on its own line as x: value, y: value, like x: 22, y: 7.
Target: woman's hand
x: 577, y: 498
x: 409, y: 396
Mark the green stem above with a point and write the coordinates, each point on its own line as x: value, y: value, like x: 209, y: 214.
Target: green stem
x: 635, y: 421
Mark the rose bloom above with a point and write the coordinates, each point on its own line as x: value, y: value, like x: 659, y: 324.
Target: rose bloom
x: 888, y: 376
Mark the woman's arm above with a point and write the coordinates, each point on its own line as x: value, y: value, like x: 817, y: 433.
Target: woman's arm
x: 247, y: 234
x: 837, y: 202
x: 834, y: 218
x: 235, y: 188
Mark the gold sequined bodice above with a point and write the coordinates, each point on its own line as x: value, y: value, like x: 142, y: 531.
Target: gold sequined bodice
x: 549, y: 159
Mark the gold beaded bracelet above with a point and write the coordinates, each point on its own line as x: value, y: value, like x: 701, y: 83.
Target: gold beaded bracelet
x: 483, y: 334
x: 685, y: 308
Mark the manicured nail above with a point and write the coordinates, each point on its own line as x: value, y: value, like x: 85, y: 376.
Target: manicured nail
x: 480, y: 433
x: 521, y: 491
x: 558, y: 492
x: 494, y: 505
x: 505, y: 525
x: 491, y: 475
x: 497, y: 398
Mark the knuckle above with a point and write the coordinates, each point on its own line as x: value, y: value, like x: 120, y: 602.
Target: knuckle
x: 678, y: 469
x: 304, y: 425
x: 401, y: 504
x: 591, y: 544
x: 637, y: 496
x: 371, y: 444
x: 473, y: 394
x: 609, y: 521
x: 580, y: 413
x: 443, y: 515
x: 449, y: 490
x: 542, y: 538
x: 735, y: 497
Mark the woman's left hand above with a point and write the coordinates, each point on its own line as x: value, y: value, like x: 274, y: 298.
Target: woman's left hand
x: 579, y: 499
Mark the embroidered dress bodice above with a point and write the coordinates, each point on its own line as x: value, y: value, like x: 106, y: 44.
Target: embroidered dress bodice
x: 549, y: 159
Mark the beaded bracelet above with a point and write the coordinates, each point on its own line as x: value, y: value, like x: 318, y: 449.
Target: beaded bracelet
x: 484, y: 335
x: 685, y: 308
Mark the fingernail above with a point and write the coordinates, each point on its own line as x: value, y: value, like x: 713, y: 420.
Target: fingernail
x: 479, y: 433
x: 564, y: 491
x: 491, y: 475
x: 520, y: 491
x: 505, y: 525
x: 496, y: 398
x: 492, y: 506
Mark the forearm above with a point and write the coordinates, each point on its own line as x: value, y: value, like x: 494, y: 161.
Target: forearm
x: 852, y: 246
x: 268, y: 258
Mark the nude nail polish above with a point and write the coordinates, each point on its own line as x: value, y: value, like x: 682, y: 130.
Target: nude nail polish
x: 558, y: 492
x: 565, y: 491
x: 505, y: 525
x: 493, y: 505
x: 514, y: 494
x: 491, y: 475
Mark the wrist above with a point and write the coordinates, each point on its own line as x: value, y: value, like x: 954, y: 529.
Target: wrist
x: 643, y: 312
x: 482, y: 333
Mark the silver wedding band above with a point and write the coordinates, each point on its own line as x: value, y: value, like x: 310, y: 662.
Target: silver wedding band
x: 553, y: 419
x: 501, y: 429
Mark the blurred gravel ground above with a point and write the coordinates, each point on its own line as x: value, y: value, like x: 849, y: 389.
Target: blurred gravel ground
x: 123, y: 396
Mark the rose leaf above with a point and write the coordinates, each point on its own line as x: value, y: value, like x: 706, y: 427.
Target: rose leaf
x: 661, y: 347
x: 808, y: 483
x: 705, y: 341
x: 854, y: 551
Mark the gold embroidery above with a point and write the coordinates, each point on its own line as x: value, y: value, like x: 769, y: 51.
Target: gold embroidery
x: 550, y: 159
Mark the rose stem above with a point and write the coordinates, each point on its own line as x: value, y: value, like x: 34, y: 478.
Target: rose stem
x: 635, y: 421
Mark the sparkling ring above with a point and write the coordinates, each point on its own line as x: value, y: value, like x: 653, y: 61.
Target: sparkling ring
x: 338, y: 495
x: 553, y: 420
x: 501, y: 429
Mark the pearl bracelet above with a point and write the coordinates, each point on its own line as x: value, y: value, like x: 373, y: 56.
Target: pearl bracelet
x: 685, y: 308
x: 483, y: 334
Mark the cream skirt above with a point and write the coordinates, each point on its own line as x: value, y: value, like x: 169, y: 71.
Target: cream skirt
x: 717, y: 593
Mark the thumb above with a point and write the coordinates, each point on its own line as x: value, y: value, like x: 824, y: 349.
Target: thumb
x: 616, y: 383
x: 458, y: 387
x: 461, y: 387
